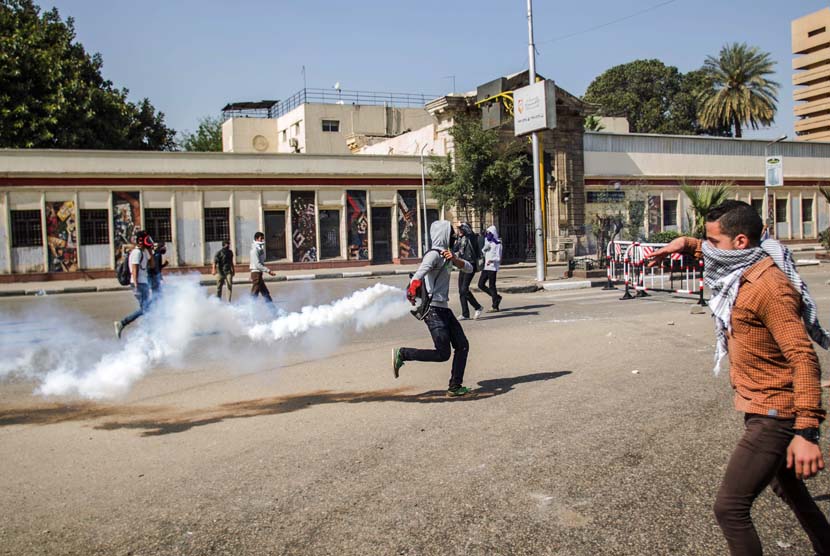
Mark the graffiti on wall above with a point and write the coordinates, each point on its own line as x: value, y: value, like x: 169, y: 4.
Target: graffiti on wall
x: 407, y: 224
x: 654, y: 214
x: 358, y: 225
x: 303, y: 227
x: 126, y: 219
x: 61, y: 236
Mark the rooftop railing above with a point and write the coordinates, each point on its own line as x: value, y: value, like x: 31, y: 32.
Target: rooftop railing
x: 338, y: 96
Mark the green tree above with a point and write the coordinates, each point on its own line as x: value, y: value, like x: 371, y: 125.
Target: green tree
x: 52, y: 93
x: 593, y: 123
x: 483, y: 174
x: 741, y: 93
x: 702, y: 199
x: 207, y: 137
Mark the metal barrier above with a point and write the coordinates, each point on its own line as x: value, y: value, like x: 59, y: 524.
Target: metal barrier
x: 627, y: 262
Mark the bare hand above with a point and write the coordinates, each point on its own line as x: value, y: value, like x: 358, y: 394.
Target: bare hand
x: 806, y: 457
x: 447, y: 254
x: 674, y: 246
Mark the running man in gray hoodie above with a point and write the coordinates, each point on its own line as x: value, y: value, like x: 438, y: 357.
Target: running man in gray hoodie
x: 446, y: 331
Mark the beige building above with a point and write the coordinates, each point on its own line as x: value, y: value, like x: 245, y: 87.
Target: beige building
x: 323, y: 121
x: 811, y: 77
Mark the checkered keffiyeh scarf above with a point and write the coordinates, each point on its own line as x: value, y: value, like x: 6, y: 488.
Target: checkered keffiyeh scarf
x: 723, y: 270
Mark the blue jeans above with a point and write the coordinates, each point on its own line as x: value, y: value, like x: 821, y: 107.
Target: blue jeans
x: 142, y: 295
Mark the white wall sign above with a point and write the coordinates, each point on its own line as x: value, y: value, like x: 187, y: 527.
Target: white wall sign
x: 774, y: 176
x: 534, y: 107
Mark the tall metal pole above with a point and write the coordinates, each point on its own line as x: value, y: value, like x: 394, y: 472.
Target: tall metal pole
x: 424, y: 196
x: 534, y: 138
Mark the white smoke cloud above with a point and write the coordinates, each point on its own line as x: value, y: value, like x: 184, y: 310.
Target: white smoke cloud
x: 74, y: 359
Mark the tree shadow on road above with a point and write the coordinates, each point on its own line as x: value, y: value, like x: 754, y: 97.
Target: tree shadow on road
x: 286, y: 404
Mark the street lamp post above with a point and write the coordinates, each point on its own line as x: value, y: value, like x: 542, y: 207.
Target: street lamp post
x: 537, y: 201
x: 769, y: 220
x: 424, y: 196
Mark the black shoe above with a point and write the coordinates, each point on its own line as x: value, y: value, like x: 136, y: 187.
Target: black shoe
x: 497, y: 303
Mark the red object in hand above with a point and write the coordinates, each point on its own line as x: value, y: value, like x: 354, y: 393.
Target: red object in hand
x: 412, y: 290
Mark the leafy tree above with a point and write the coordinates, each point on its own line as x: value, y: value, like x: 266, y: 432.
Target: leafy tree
x: 207, y: 137
x: 483, y: 174
x: 52, y: 93
x: 702, y: 199
x: 655, y: 98
x: 742, y: 93
x: 593, y: 123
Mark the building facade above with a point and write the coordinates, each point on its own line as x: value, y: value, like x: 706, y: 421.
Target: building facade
x: 70, y: 213
x: 811, y: 77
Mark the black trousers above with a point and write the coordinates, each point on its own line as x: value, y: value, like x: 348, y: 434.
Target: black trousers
x: 465, y: 295
x: 489, y: 276
x: 446, y: 331
x: 760, y: 459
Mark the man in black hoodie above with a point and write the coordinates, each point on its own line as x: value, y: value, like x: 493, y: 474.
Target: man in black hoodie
x: 468, y: 249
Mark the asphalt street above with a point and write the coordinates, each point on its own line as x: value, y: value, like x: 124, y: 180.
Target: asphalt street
x: 596, y: 427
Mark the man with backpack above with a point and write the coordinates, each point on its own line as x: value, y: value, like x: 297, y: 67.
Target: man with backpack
x: 446, y: 331
x: 467, y: 248
x: 139, y: 281
x: 223, y: 269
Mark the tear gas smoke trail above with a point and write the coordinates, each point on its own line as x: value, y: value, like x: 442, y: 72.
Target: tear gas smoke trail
x: 82, y: 363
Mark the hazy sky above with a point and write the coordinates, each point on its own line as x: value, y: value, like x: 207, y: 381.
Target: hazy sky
x: 191, y: 57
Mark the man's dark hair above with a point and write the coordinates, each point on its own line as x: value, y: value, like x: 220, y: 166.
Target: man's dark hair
x: 259, y: 235
x: 737, y: 217
x: 226, y: 243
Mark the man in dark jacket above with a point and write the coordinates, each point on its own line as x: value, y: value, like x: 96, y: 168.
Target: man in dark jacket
x: 467, y: 248
x: 223, y: 269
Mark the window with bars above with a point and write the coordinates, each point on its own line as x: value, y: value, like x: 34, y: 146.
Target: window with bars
x: 781, y: 210
x: 669, y: 213
x: 95, y: 227
x: 217, y: 227
x: 331, y: 125
x: 157, y: 224
x: 26, y: 228
x: 806, y: 210
x: 758, y: 205
x: 329, y: 234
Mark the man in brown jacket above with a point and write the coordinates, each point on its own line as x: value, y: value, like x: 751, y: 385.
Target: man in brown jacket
x: 764, y: 317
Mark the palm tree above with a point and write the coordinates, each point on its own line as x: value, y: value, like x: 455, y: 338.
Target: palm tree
x: 702, y: 199
x: 741, y: 94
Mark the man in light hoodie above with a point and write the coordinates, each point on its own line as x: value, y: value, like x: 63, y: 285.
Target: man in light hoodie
x: 258, y: 267
x: 492, y: 261
x: 446, y: 331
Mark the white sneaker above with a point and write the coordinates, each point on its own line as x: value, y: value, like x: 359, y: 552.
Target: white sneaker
x: 477, y: 314
x: 118, y: 328
x: 462, y: 317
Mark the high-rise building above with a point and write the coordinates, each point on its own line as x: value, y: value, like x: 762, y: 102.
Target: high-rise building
x: 811, y: 77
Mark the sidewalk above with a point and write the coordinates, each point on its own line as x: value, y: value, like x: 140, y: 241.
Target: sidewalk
x: 515, y: 278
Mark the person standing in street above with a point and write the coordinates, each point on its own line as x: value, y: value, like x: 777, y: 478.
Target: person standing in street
x: 223, y: 269
x: 764, y: 319
x: 157, y: 264
x: 446, y: 331
x: 492, y: 261
x: 258, y: 268
x: 139, y: 281
x: 467, y: 248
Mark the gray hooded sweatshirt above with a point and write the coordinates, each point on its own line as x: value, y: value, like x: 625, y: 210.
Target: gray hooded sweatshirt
x: 257, y: 263
x: 435, y: 269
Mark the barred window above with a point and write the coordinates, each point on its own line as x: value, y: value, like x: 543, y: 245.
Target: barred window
x: 781, y: 210
x: 95, y: 227
x: 157, y: 224
x: 329, y: 234
x: 331, y: 125
x: 217, y: 227
x: 26, y: 228
x: 669, y: 213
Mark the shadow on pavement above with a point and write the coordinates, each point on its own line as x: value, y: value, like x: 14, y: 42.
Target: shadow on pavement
x: 159, y: 420
x: 287, y: 404
x: 507, y: 313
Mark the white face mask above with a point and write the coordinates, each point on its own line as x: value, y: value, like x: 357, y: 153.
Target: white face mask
x: 259, y: 242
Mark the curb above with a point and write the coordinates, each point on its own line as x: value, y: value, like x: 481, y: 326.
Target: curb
x: 559, y: 286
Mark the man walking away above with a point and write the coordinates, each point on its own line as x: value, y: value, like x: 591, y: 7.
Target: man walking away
x: 446, y: 331
x: 468, y: 249
x: 223, y: 269
x: 258, y: 267
x: 763, y: 314
x: 139, y: 260
x: 492, y: 261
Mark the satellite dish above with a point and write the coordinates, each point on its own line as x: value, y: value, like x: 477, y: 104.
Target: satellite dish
x: 337, y: 85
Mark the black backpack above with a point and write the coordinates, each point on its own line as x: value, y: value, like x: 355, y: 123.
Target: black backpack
x: 123, y: 272
x: 423, y: 298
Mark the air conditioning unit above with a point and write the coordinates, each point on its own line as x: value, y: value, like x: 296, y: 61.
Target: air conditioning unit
x: 293, y: 143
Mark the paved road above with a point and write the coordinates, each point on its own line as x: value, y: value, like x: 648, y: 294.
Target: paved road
x: 311, y: 447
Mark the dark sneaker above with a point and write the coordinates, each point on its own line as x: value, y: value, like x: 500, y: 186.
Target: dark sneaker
x: 497, y: 303
x: 397, y: 362
x: 458, y: 391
